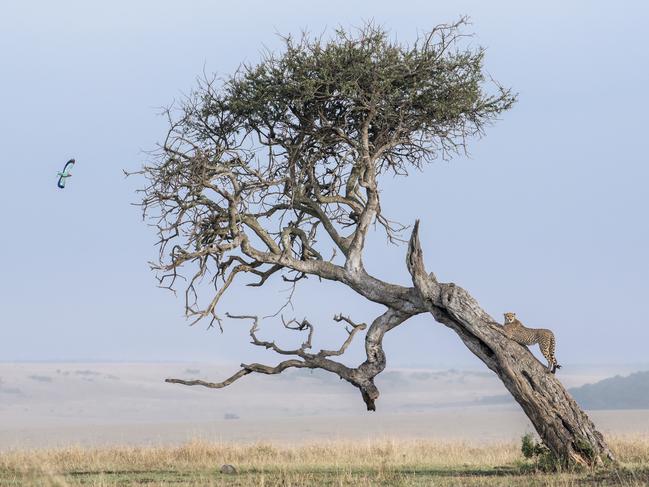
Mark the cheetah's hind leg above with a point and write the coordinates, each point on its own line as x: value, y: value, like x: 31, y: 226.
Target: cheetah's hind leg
x: 555, y: 367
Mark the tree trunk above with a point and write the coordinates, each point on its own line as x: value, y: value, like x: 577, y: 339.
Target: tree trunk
x: 564, y: 428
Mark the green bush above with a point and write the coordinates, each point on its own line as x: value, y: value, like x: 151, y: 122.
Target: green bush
x: 532, y: 448
x: 543, y: 458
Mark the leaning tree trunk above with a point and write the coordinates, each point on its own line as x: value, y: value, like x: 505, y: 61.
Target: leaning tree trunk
x: 564, y: 428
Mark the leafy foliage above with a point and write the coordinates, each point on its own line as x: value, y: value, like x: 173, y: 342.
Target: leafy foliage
x: 531, y: 448
x: 543, y: 458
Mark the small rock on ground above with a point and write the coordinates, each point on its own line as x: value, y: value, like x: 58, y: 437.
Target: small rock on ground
x: 228, y: 469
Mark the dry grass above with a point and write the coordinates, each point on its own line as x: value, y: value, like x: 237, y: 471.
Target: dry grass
x: 387, y: 463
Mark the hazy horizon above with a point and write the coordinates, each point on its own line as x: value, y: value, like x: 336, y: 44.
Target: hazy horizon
x: 89, y: 404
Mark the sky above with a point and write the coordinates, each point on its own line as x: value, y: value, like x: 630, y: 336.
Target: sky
x: 547, y: 217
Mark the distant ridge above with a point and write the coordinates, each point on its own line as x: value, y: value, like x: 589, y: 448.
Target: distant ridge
x: 630, y: 392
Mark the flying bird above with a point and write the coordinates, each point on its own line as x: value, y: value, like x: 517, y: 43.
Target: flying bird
x: 63, y: 175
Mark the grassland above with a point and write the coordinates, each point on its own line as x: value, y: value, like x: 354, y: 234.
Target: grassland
x: 383, y: 463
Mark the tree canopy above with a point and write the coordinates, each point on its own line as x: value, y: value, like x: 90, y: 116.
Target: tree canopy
x: 255, y: 167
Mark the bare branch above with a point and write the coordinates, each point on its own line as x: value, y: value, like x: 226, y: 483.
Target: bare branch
x: 351, y: 333
x: 246, y: 369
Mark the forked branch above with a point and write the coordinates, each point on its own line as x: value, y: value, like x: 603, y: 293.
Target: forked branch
x: 306, y: 359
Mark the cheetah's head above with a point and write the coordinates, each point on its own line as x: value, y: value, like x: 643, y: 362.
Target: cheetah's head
x: 510, y: 317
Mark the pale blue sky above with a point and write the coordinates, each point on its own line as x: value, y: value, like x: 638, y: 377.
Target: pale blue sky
x: 547, y: 218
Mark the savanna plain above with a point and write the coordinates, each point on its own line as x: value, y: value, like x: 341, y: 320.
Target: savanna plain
x: 68, y: 424
x: 385, y: 463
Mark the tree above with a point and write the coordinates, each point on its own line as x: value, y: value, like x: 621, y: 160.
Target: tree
x: 261, y: 174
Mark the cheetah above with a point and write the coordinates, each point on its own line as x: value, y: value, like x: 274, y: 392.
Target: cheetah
x: 515, y: 330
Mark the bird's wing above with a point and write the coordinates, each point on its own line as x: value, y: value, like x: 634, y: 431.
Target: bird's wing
x: 68, y: 165
x: 61, y: 183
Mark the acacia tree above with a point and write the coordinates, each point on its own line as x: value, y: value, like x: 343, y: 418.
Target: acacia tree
x: 263, y: 173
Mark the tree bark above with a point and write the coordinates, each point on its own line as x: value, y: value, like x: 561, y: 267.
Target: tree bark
x: 564, y: 428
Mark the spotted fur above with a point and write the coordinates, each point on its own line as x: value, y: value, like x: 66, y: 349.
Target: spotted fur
x: 516, y: 331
